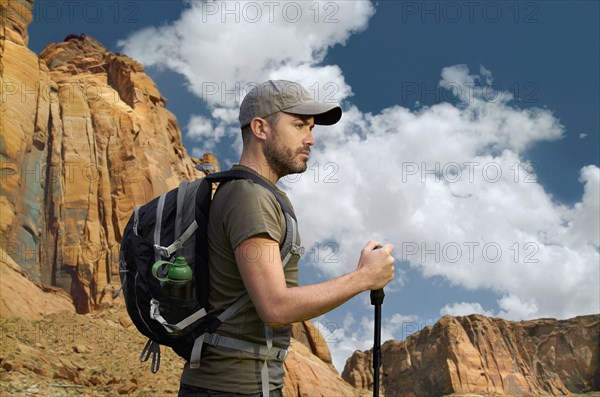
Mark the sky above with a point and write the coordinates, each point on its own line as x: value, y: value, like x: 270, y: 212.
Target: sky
x: 470, y: 138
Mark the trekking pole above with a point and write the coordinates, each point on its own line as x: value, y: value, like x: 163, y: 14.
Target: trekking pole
x: 377, y: 300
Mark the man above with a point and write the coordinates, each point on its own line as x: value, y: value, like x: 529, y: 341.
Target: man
x: 246, y: 229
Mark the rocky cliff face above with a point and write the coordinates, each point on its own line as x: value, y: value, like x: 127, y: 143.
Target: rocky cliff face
x: 309, y: 369
x: 477, y: 354
x: 85, y: 137
x: 23, y: 297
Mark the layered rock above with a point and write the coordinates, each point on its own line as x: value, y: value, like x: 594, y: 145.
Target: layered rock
x: 476, y: 354
x: 25, y: 298
x: 86, y: 137
x: 309, y: 370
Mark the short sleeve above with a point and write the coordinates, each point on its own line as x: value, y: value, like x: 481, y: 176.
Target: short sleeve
x: 250, y: 211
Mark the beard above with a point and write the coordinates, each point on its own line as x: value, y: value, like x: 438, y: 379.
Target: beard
x: 284, y: 161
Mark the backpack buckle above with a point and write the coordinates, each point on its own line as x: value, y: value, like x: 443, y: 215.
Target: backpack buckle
x: 297, y: 250
x: 212, y: 339
x: 282, y: 354
x: 154, y: 309
x: 163, y: 251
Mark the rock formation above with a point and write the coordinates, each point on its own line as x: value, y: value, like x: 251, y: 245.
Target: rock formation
x: 25, y: 298
x: 477, y: 354
x: 309, y: 367
x: 86, y: 136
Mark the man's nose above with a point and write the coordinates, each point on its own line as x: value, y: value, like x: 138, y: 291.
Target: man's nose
x: 309, y: 139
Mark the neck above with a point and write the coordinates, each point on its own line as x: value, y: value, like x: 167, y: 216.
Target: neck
x: 260, y: 165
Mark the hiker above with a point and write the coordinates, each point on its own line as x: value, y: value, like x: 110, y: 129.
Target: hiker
x: 246, y: 228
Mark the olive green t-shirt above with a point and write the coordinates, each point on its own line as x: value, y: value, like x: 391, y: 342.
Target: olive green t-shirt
x: 241, y: 209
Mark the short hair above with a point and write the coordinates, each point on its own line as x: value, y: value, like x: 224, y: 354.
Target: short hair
x: 272, y: 119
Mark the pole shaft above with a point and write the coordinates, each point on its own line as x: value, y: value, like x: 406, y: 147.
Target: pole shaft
x: 377, y: 300
x: 377, y: 351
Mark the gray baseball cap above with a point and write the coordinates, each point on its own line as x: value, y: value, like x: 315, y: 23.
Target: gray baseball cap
x: 286, y: 96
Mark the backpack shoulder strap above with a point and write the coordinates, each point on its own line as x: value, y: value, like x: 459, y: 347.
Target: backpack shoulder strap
x: 289, y: 246
x: 186, y: 197
x: 243, y: 174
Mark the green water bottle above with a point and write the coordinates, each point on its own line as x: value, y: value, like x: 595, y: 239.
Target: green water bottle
x: 177, y: 289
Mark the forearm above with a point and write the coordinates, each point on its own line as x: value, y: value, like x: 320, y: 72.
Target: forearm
x: 294, y: 304
x: 278, y: 305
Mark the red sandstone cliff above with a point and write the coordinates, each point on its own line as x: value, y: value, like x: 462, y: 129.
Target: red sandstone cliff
x: 477, y: 354
x: 85, y: 137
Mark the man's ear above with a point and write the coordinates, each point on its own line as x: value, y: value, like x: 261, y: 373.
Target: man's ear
x: 259, y: 128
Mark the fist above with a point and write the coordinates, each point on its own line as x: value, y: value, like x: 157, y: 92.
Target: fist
x: 376, y: 264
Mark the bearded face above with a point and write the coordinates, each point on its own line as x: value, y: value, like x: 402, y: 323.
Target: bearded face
x: 285, y: 160
x: 289, y: 145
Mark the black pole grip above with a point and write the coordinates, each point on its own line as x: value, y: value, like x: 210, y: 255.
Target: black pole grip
x: 377, y: 297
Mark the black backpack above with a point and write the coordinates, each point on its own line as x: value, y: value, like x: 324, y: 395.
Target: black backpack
x: 171, y: 225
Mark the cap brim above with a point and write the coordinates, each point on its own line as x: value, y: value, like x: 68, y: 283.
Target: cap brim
x: 324, y: 114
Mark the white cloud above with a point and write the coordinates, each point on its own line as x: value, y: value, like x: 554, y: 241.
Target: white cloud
x: 448, y: 184
x: 464, y: 309
x: 583, y: 219
x: 202, y: 129
x: 223, y: 48
x: 513, y: 308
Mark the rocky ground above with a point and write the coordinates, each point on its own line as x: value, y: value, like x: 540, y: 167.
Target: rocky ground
x: 67, y: 354
x: 592, y: 394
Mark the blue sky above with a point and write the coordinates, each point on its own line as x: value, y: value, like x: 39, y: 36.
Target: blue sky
x: 519, y: 244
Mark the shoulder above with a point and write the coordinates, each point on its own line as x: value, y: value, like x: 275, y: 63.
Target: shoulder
x: 244, y: 190
x: 244, y: 197
x: 245, y: 209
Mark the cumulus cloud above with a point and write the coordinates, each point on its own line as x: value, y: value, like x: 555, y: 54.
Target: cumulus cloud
x: 450, y: 184
x: 464, y: 309
x: 224, y: 48
x: 511, y: 308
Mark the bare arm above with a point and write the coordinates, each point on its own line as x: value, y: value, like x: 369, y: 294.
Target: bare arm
x: 277, y: 304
